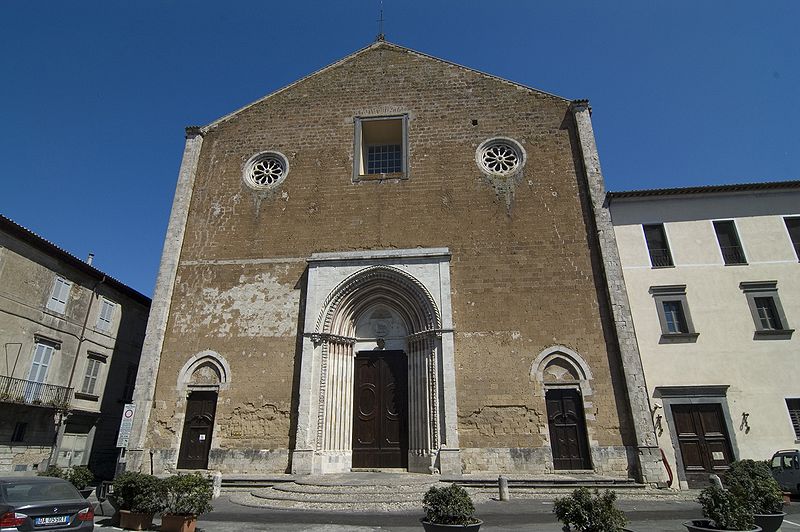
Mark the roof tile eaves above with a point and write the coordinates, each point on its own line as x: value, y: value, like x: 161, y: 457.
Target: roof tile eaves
x: 49, y: 246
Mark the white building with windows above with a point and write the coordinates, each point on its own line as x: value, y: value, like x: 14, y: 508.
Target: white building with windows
x: 71, y: 339
x: 713, y: 280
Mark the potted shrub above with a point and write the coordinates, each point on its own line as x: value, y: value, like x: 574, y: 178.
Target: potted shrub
x: 138, y: 497
x: 723, y: 511
x: 81, y: 477
x: 185, y: 497
x: 584, y: 512
x: 449, y: 508
x: 752, y: 482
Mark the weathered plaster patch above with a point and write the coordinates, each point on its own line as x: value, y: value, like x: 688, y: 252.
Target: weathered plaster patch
x: 500, y: 420
x: 259, y: 423
x: 257, y: 306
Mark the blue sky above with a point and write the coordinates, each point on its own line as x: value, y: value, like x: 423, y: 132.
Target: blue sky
x: 95, y: 95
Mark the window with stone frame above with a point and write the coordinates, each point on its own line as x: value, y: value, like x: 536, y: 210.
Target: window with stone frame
x: 766, y: 309
x: 381, y: 147
x: 657, y: 245
x: 672, y: 308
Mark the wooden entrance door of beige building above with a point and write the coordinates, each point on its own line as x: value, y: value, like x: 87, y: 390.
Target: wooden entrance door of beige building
x: 703, y: 441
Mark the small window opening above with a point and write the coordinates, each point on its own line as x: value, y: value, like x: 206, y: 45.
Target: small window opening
x: 19, y: 432
x: 381, y: 146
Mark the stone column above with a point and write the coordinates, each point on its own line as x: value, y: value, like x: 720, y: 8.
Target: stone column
x: 162, y: 298
x: 651, y: 469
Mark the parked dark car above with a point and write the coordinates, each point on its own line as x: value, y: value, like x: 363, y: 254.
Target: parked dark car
x: 43, y: 503
x: 786, y: 470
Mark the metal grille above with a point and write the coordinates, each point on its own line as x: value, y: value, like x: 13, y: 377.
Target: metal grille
x: 384, y: 159
x: 34, y: 393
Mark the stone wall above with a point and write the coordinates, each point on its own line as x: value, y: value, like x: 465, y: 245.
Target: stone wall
x: 522, y: 273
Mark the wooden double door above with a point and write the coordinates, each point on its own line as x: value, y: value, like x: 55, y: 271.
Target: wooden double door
x: 380, y: 410
x: 703, y: 441
x: 567, y: 429
x: 197, y: 430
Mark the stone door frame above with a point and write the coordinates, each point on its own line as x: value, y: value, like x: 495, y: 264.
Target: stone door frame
x: 415, y: 285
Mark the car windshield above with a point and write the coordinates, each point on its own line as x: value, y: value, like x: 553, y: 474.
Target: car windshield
x: 31, y: 492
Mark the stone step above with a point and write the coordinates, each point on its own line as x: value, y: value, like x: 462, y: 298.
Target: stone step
x: 356, y: 497
x: 555, y: 483
x: 247, y: 499
x: 293, y: 487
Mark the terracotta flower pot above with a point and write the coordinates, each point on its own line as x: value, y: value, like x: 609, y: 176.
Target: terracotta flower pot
x: 178, y: 523
x: 436, y: 527
x: 704, y: 525
x: 769, y: 522
x: 135, y: 521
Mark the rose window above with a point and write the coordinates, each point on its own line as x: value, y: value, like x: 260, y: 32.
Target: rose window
x: 266, y: 170
x: 500, y: 156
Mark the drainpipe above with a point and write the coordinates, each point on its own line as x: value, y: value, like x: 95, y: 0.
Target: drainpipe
x: 60, y: 422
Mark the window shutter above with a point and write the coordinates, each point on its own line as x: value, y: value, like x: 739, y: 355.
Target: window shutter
x: 60, y: 295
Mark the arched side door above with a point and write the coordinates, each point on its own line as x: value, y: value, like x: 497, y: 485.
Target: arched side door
x: 198, y: 427
x: 567, y: 429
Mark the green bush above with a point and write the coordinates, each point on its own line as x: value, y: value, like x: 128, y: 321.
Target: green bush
x: 138, y: 493
x: 450, y: 505
x: 187, y: 494
x: 728, y: 511
x: 54, y: 471
x: 79, y: 476
x: 586, y: 513
x: 752, y: 483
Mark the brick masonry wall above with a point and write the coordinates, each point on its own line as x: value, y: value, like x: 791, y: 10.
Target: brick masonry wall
x: 521, y: 270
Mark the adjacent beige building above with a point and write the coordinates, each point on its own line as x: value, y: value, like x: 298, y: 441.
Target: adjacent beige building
x: 71, y: 340
x: 713, y: 280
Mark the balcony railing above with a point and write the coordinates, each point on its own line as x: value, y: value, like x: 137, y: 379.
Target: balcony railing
x: 660, y: 257
x: 34, y: 393
x: 733, y: 255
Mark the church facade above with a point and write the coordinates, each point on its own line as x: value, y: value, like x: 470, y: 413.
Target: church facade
x: 394, y: 263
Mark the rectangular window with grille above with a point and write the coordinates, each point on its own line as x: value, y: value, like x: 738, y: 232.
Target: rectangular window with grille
x: 657, y: 245
x: 793, y: 227
x: 106, y: 315
x: 794, y: 414
x: 729, y: 245
x: 381, y: 147
x: 59, y: 295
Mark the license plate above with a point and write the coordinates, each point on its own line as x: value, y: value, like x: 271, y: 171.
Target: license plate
x: 55, y: 520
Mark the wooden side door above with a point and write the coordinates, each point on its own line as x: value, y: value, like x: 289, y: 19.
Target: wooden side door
x: 198, y: 426
x: 380, y: 418
x: 702, y: 440
x: 567, y: 429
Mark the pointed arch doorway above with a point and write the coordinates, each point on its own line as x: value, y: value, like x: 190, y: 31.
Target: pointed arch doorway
x: 377, y: 378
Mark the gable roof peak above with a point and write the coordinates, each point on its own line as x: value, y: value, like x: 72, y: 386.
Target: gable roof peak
x: 380, y: 42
